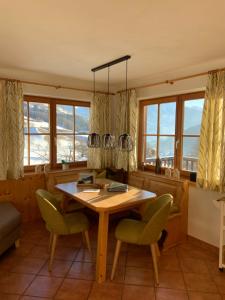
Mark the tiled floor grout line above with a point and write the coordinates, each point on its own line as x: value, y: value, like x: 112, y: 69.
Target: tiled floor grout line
x: 210, y: 275
x: 37, y: 274
x: 213, y: 278
x: 179, y: 256
x: 124, y: 275
x: 23, y: 294
x: 179, y: 263
x: 65, y: 276
x: 89, y: 293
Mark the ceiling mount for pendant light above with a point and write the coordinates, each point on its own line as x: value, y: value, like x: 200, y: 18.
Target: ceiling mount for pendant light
x: 108, y: 140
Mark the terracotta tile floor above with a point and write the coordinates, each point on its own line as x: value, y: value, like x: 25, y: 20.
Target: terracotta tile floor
x: 188, y: 271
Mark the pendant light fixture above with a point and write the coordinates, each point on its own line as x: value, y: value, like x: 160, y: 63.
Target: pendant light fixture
x: 94, y: 140
x: 108, y: 140
x: 125, y: 142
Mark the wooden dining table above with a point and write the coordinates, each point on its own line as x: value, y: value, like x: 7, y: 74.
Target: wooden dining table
x: 104, y: 203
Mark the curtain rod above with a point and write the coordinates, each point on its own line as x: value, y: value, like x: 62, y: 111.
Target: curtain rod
x: 171, y: 81
x: 55, y: 86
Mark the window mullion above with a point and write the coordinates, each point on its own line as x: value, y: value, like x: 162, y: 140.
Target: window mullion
x: 178, y: 134
x: 53, y: 137
x: 28, y: 131
x: 74, y: 134
x: 158, y: 131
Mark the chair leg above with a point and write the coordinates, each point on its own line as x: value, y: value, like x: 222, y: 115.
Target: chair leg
x: 157, y: 250
x: 86, y: 235
x: 116, y: 256
x: 50, y: 241
x: 54, y: 240
x: 154, y: 258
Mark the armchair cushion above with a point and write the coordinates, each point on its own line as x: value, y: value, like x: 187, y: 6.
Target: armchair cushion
x: 76, y: 222
x: 129, y: 230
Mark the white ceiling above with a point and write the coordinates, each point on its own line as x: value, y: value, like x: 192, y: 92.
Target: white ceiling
x: 68, y: 38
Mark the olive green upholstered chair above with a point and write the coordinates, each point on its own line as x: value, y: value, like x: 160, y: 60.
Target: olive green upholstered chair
x: 58, y: 223
x: 146, y: 231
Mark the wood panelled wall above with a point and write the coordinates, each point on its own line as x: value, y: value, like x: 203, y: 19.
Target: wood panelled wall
x: 21, y: 193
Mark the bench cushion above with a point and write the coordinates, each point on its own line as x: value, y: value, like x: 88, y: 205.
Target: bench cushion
x: 10, y: 219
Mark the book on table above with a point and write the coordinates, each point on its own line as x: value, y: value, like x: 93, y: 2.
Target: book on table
x: 117, y: 187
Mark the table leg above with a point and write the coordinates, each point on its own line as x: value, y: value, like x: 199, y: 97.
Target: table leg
x: 102, y: 246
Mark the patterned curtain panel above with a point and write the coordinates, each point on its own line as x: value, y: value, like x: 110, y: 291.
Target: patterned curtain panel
x: 126, y: 121
x: 100, y: 122
x: 11, y: 130
x: 211, y: 165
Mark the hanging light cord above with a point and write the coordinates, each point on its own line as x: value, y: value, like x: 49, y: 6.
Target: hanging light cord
x: 126, y: 78
x: 108, y: 81
x: 128, y: 112
x: 94, y: 83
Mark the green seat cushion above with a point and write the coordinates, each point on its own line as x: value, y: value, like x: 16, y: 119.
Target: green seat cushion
x: 59, y: 197
x: 74, y: 223
x: 74, y: 206
x: 129, y: 230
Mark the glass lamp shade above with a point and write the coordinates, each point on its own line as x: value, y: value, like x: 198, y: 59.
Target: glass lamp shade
x: 94, y: 140
x: 108, y: 141
x: 125, y: 142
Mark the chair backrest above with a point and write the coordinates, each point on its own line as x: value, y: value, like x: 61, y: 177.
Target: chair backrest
x: 155, y: 216
x: 50, y: 211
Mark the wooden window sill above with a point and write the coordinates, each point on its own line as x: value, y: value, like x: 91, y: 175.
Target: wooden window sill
x: 182, y: 177
x: 52, y: 171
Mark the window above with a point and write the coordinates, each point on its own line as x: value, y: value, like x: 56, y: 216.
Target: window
x: 72, y: 127
x: 55, y: 130
x: 192, y: 117
x: 37, y: 133
x: 159, y: 136
x: 170, y: 130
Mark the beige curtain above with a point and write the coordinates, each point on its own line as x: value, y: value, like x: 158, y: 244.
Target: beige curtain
x: 100, y: 122
x: 11, y: 130
x: 211, y: 165
x: 126, y: 121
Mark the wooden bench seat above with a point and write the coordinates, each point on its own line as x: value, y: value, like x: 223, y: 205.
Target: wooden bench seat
x: 177, y: 224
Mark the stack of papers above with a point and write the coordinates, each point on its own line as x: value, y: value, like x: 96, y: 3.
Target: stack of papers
x: 91, y: 191
x: 118, y: 187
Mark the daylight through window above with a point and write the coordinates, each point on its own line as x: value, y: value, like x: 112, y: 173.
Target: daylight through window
x: 72, y: 127
x: 55, y: 131
x: 37, y: 133
x: 170, y: 130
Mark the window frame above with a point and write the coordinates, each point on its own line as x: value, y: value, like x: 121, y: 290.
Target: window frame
x: 157, y: 135
x: 52, y: 128
x: 179, y: 99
